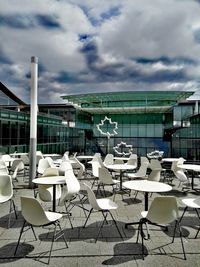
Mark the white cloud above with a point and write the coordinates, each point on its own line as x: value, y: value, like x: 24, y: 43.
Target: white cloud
x: 142, y: 29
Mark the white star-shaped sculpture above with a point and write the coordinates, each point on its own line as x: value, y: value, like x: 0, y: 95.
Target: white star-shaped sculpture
x: 108, y: 134
x: 123, y: 145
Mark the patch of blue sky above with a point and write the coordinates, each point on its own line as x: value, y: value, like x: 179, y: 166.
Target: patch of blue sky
x: 112, y: 12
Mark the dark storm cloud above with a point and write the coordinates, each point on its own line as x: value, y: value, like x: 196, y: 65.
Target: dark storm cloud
x: 118, y: 72
x: 26, y: 21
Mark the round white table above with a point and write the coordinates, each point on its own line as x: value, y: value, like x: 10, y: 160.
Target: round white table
x: 170, y: 159
x: 147, y: 187
x: 121, y: 168
x: 51, y: 180
x: 193, y: 168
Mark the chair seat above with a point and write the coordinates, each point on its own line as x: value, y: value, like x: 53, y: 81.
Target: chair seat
x: 107, y: 204
x: 53, y: 216
x: 116, y: 181
x: 4, y: 198
x: 192, y: 202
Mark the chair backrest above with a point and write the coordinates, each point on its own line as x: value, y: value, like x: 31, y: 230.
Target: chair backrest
x: 25, y: 159
x: 17, y: 163
x: 6, y: 187
x: 104, y: 176
x: 99, y: 159
x: 3, y: 167
x: 80, y: 166
x: 95, y: 168
x: 2, y: 163
x: 108, y: 159
x: 133, y: 160
x: 163, y: 210
x: 33, y: 212
x: 43, y: 164
x: 72, y: 183
x: 180, y: 175
x: 142, y: 171
x: 154, y: 175
x: 155, y: 164
x: 39, y: 156
x: 50, y: 172
x: 65, y: 156
x: 175, y: 164
x: 6, y: 159
x: 64, y: 166
x: 144, y: 160
x: 91, y: 198
x: 50, y: 161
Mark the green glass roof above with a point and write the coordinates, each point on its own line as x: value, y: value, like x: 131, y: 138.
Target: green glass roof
x: 128, y: 102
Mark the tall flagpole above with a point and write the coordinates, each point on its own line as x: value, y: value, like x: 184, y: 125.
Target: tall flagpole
x: 33, y: 120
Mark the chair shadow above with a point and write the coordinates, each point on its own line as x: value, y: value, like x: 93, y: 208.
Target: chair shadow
x: 125, y: 252
x: 14, y: 223
x: 7, y: 252
x: 132, y: 201
x: 108, y: 233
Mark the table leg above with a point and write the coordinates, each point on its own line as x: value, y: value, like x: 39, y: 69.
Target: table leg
x: 146, y: 201
x: 54, y: 198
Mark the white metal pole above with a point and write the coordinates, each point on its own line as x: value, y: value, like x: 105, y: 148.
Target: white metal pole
x: 33, y: 119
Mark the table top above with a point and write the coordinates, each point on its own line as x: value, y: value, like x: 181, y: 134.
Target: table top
x: 121, y: 167
x: 121, y: 158
x: 170, y: 159
x: 147, y: 186
x: 19, y: 154
x: 52, y: 155
x: 194, y: 167
x: 84, y: 157
x: 50, y: 180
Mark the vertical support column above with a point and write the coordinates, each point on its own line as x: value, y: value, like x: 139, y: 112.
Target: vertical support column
x: 33, y: 120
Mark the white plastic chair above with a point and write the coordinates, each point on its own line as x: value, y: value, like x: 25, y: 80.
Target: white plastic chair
x: 6, y: 158
x: 34, y: 215
x: 6, y: 194
x: 103, y: 205
x: 105, y: 179
x: 95, y: 171
x: 45, y: 192
x: 17, y: 168
x: 43, y: 164
x: 80, y: 167
x: 64, y: 166
x: 141, y: 173
x: 162, y: 212
x: 39, y: 156
x: 193, y: 203
x: 70, y: 192
x: 144, y: 160
x: 179, y: 173
x: 3, y: 168
x: 50, y: 161
x: 133, y: 160
x: 108, y: 159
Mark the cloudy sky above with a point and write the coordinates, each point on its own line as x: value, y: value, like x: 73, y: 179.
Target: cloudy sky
x: 100, y: 45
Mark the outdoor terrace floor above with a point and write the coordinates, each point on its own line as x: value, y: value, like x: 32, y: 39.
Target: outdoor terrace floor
x: 110, y: 249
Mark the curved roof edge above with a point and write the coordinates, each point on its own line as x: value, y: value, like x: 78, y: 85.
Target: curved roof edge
x: 6, y: 91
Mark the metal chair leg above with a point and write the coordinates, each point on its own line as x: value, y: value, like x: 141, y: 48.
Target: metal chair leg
x: 87, y: 218
x: 21, y: 232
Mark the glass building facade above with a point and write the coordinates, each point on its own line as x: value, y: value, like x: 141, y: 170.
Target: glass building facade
x: 147, y: 121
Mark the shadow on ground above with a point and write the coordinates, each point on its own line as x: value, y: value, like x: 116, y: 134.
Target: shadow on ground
x: 125, y: 252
